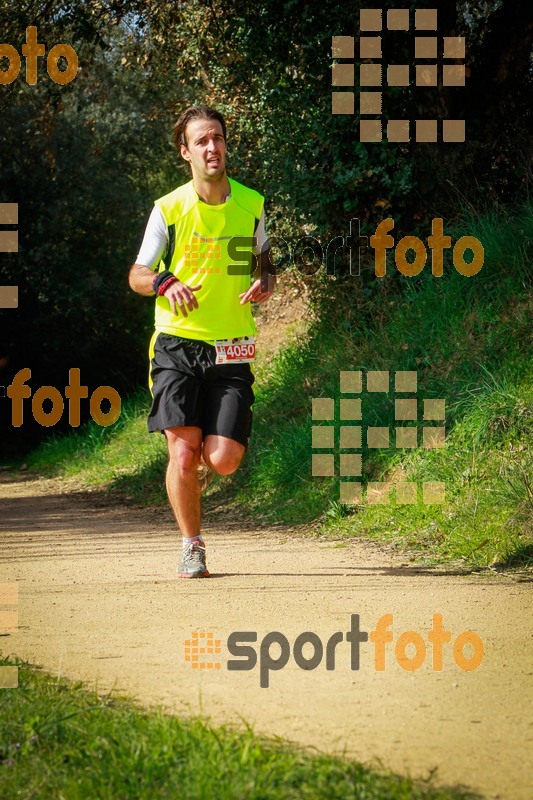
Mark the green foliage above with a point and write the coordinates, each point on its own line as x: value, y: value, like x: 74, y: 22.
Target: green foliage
x: 466, y: 338
x: 85, y: 161
x: 124, y: 457
x: 80, y: 169
x: 57, y: 740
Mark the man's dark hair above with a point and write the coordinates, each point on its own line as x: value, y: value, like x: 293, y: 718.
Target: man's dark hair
x: 195, y: 112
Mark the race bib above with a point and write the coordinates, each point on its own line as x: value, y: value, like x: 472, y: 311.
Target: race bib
x: 235, y: 351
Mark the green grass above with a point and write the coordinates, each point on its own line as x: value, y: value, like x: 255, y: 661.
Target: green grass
x: 122, y: 457
x: 469, y: 339
x: 60, y: 741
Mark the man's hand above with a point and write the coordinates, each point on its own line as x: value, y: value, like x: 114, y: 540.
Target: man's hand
x: 255, y: 294
x: 179, y: 294
x: 141, y: 280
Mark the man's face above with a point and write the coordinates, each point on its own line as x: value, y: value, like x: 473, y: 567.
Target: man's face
x: 205, y: 149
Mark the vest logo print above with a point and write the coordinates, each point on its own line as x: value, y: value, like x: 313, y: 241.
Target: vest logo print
x: 201, y: 249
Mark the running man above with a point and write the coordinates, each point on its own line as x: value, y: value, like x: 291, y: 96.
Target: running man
x: 200, y: 353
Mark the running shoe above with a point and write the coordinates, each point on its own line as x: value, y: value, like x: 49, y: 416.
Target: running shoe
x: 205, y: 476
x: 192, y: 561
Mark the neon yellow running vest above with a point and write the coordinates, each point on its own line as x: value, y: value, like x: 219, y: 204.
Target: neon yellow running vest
x: 198, y: 255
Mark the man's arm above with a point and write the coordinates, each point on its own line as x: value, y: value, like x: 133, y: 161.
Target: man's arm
x: 265, y: 272
x: 263, y: 287
x: 141, y: 280
x: 141, y: 276
x: 178, y: 294
x: 153, y: 248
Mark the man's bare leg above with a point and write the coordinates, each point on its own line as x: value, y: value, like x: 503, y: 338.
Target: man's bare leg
x: 185, y: 453
x: 222, y: 455
x: 183, y: 488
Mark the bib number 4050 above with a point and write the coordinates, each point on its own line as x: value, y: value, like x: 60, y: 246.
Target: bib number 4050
x: 235, y: 351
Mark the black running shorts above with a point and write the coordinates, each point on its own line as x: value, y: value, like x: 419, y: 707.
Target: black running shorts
x: 188, y: 388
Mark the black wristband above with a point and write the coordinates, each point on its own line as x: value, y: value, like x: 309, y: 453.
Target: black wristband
x: 160, y: 278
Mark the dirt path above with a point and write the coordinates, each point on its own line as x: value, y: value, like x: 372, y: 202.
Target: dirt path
x: 99, y: 601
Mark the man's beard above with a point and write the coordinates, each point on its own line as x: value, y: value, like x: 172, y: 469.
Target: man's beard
x: 217, y: 177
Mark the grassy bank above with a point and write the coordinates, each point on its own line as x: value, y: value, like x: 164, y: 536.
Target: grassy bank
x: 469, y: 341
x: 58, y: 740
